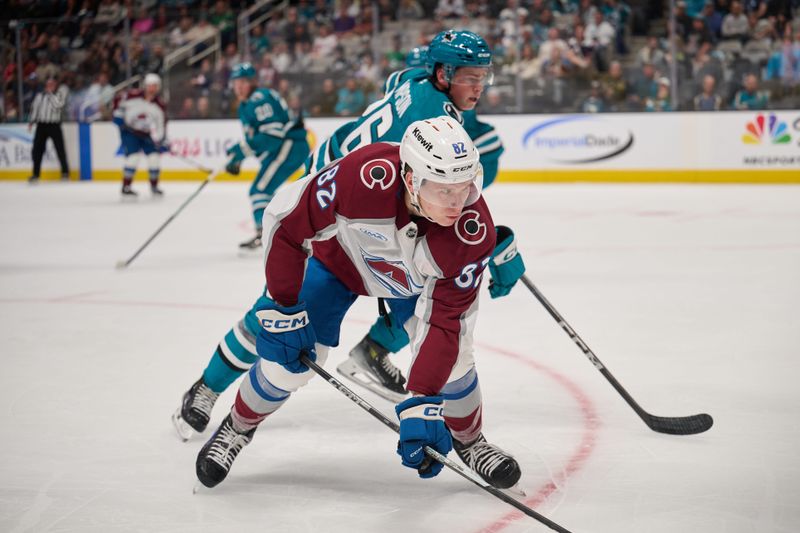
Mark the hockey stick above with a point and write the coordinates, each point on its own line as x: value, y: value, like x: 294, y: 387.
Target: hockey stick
x: 123, y: 264
x: 192, y: 162
x: 677, y: 425
x: 455, y: 467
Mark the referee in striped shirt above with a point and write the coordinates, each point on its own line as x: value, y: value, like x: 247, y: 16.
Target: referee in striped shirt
x: 46, y: 113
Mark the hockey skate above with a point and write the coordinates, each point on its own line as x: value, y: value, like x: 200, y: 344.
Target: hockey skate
x: 369, y: 366
x: 496, y: 467
x: 156, y: 192
x: 195, y: 410
x: 253, y: 244
x: 128, y: 193
x: 216, y: 458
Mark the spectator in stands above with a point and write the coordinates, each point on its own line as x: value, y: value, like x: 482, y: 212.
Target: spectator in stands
x: 343, y: 20
x: 100, y: 94
x: 369, y: 72
x: 586, y: 11
x: 614, y: 87
x: 302, y: 60
x: 749, y: 97
x: 661, y: 101
x: 281, y: 58
x: 351, y: 100
x: 683, y: 21
x: 325, y: 103
x: 10, y: 108
x: 83, y: 39
x: 617, y: 14
x: 698, y: 35
x: 541, y: 26
x: 187, y: 109
x: 46, y: 68
x: 201, y: 81
x: 109, y: 13
x: 510, y: 20
x: 554, y: 40
x: 708, y: 99
x: 651, y: 53
x: 492, y: 102
x: 223, y: 19
x: 528, y: 66
x: 713, y: 20
x: 180, y: 35
x: 55, y: 52
x: 598, y: 37
x: 644, y: 86
x: 593, y: 103
x: 735, y: 26
x: 409, y: 10
x: 203, y: 107
x: 144, y: 22
x: 259, y: 42
x: 577, y: 54
x: 447, y: 9
x: 756, y: 7
x: 554, y: 71
x: 267, y: 73
x: 325, y: 42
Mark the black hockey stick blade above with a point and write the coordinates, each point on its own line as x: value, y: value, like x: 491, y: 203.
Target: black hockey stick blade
x: 679, y: 425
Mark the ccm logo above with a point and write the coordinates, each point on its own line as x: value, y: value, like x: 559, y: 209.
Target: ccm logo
x: 462, y: 169
x: 284, y: 323
x: 276, y: 322
x: 433, y: 411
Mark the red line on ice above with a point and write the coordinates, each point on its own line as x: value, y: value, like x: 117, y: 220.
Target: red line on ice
x: 578, y: 457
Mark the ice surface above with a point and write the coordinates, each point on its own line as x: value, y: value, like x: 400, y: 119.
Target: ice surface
x: 687, y: 293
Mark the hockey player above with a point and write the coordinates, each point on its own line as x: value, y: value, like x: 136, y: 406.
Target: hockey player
x: 369, y: 364
x: 272, y: 134
x: 449, y: 61
x: 142, y: 119
x: 387, y: 220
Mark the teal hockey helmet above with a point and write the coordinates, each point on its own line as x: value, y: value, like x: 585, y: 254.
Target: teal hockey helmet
x: 243, y: 70
x: 458, y: 48
x: 417, y: 57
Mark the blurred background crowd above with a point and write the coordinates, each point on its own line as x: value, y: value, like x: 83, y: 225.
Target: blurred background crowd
x: 330, y: 57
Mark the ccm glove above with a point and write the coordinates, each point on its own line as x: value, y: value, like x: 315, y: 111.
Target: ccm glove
x: 422, y: 424
x: 286, y: 333
x: 506, y: 265
x: 236, y: 155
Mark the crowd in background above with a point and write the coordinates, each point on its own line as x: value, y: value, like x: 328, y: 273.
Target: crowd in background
x: 324, y: 58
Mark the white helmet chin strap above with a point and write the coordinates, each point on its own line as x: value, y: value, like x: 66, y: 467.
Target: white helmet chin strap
x: 415, y: 203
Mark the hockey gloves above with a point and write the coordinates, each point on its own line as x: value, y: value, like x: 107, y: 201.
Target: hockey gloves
x: 236, y: 155
x: 422, y: 424
x: 506, y: 265
x: 286, y: 333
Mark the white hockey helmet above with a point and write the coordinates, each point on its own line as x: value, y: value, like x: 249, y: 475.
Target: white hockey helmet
x: 440, y: 151
x: 152, y: 79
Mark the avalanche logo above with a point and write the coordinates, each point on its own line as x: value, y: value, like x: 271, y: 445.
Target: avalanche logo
x: 393, y: 275
x: 776, y: 130
x: 380, y: 172
x: 469, y: 228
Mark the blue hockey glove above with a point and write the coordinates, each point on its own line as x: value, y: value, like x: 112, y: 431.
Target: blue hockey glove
x: 286, y: 333
x: 506, y: 265
x: 422, y: 424
x: 162, y: 147
x: 236, y: 155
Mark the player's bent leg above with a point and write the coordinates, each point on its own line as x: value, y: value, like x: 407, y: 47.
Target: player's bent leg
x: 369, y: 364
x: 234, y: 355
x: 266, y: 388
x: 463, y: 416
x: 129, y: 169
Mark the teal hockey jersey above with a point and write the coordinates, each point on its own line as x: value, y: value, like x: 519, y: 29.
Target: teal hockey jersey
x: 409, y: 96
x: 267, y: 122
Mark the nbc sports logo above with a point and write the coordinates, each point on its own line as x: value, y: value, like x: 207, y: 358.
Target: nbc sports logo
x: 776, y: 130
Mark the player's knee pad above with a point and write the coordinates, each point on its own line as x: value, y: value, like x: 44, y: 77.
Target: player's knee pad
x: 154, y: 161
x: 289, y: 381
x: 132, y: 160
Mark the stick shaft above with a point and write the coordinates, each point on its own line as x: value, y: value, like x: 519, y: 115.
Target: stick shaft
x: 466, y: 474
